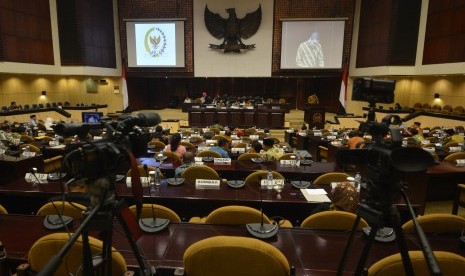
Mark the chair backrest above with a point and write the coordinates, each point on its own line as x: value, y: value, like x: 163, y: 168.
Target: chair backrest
x: 3, y: 211
x: 450, y: 264
x: 236, y: 215
x: 289, y: 156
x: 172, y: 158
x: 451, y: 144
x: 248, y: 156
x: 199, y: 172
x: 447, y: 108
x: 142, y: 171
x: 189, y: 146
x: 215, y: 130
x: 48, y: 246
x: 240, y: 145
x: 53, y: 164
x: 230, y: 255
x: 459, y: 109
x: 160, y: 212
x: 253, y: 177
x: 327, y: 178
x: 332, y: 220
x: 157, y: 145
x: 32, y: 148
x: 454, y: 156
x: 196, y: 140
x: 209, y: 153
x: 437, y: 223
x: 250, y: 131
x: 26, y: 138
x: 66, y: 208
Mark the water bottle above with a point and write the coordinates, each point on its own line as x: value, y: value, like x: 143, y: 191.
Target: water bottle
x: 269, y: 177
x: 26, y: 151
x: 157, y: 177
x: 358, y: 181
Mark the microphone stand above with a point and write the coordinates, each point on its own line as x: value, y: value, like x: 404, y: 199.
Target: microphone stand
x: 262, y: 230
x: 153, y: 224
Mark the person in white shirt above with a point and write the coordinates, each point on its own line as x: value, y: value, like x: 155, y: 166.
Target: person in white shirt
x: 33, y: 121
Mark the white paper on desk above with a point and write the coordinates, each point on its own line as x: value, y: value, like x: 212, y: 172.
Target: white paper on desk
x: 58, y: 147
x: 38, y: 178
x: 144, y: 181
x: 315, y: 195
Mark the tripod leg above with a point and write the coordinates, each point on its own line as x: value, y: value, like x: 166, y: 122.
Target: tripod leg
x: 88, y: 268
x: 395, y: 219
x: 340, y: 269
x: 366, y: 250
x: 106, y: 253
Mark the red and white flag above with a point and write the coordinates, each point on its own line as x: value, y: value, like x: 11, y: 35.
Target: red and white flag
x: 125, y: 90
x: 342, y: 93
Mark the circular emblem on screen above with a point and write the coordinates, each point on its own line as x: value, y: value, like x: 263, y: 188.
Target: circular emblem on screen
x: 317, y: 118
x: 155, y: 42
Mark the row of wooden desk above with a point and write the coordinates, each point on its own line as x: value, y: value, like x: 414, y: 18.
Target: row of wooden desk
x: 311, y: 252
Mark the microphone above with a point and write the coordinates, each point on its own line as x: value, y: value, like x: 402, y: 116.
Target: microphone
x: 53, y: 222
x: 153, y: 224
x: 262, y: 230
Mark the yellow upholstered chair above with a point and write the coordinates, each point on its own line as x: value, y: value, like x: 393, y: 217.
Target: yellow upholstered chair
x: 26, y: 138
x: 250, y: 131
x: 450, y: 144
x: 447, y: 108
x: 209, y: 153
x: 70, y: 209
x: 45, y: 138
x: 172, y: 158
x: 450, y: 264
x: 199, y: 172
x: 454, y: 156
x: 253, y: 177
x: 3, y: 211
x: 236, y: 215
x: 240, y: 145
x: 437, y: 223
x: 186, y: 133
x: 281, y: 100
x: 219, y: 136
x: 289, y: 156
x: 196, y: 140
x: 142, y: 171
x: 159, y: 210
x: 32, y: 148
x: 248, y: 156
x: 246, y: 139
x: 459, y: 109
x: 48, y: 246
x: 231, y: 256
x: 261, y: 135
x: 215, y: 130
x: 327, y: 178
x: 332, y: 220
x: 53, y: 164
x: 189, y: 146
x: 459, y: 199
x: 156, y: 145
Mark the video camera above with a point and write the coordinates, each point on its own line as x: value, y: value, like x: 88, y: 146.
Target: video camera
x: 101, y: 158
x: 386, y: 161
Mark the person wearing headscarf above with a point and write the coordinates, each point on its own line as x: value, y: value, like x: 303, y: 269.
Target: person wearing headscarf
x: 344, y: 198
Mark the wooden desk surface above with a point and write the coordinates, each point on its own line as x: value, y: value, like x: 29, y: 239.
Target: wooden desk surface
x: 310, y: 251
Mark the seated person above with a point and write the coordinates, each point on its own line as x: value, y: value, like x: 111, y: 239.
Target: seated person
x: 344, y: 198
x: 13, y: 106
x: 355, y: 139
x: 188, y: 160
x: 452, y: 137
x: 175, y: 146
x: 158, y: 135
x: 256, y: 147
x: 222, y: 147
x: 416, y: 135
x: 5, y: 133
x: 271, y: 152
x: 33, y: 121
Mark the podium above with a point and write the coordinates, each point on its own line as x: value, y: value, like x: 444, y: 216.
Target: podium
x: 315, y: 116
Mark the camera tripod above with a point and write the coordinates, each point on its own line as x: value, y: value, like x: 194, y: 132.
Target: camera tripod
x: 100, y: 217
x: 375, y: 219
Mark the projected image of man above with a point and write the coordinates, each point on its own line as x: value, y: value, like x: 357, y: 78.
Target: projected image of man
x: 310, y: 52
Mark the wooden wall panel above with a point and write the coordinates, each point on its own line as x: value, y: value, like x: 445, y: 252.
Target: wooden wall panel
x: 445, y: 32
x: 388, y: 33
x: 86, y: 33
x: 25, y: 32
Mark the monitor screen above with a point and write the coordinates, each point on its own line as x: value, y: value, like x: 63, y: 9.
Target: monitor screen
x: 155, y: 43
x: 91, y: 117
x: 312, y: 44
